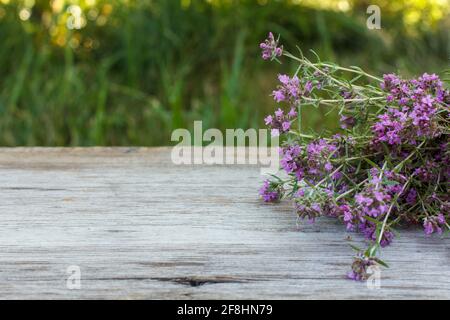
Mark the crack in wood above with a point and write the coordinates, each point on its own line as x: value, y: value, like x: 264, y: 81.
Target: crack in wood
x: 188, y: 281
x: 200, y: 281
x: 171, y: 264
x: 31, y: 189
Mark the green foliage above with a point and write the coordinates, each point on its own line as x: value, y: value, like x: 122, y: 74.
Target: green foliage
x: 152, y: 66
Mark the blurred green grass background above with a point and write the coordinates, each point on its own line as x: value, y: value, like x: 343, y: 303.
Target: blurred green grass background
x: 94, y: 72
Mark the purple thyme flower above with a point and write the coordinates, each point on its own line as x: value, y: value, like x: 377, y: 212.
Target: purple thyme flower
x: 275, y: 132
x: 268, y: 120
x: 411, y: 197
x: 280, y: 122
x: 346, y: 94
x: 279, y: 113
x: 308, y: 87
x: 317, y: 154
x: 269, y: 192
x: 347, y: 122
x: 428, y: 227
x: 270, y: 48
x: 288, y: 90
x: 286, y: 125
x: 360, y: 267
x: 428, y: 173
x: 350, y: 219
x: 369, y: 230
x: 415, y: 113
x: 291, y: 161
x: 278, y: 95
x: 310, y: 212
x: 434, y: 224
x: 292, y: 113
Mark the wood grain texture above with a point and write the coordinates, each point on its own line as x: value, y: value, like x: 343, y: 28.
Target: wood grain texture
x: 142, y: 228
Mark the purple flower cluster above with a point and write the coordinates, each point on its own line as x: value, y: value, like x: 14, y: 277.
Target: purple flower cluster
x: 291, y: 161
x: 280, y: 122
x: 392, y: 167
x: 374, y: 201
x: 434, y: 224
x: 270, y: 48
x: 427, y: 173
x: 312, y: 162
x: 412, y: 114
x: 319, y: 155
x: 269, y: 192
x: 369, y: 230
x: 309, y: 211
x: 291, y: 90
x: 436, y: 167
x: 347, y: 122
x: 360, y: 267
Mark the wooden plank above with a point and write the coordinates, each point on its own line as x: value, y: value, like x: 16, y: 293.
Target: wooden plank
x: 141, y: 228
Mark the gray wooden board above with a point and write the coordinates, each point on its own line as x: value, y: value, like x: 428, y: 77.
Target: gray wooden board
x: 140, y: 227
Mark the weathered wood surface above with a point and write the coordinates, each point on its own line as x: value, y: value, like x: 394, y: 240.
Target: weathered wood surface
x: 142, y: 228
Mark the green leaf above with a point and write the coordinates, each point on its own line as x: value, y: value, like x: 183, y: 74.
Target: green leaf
x: 384, y: 264
x: 355, y: 248
x: 274, y: 176
x: 373, y: 164
x: 372, y: 251
x: 377, y: 222
x: 390, y: 182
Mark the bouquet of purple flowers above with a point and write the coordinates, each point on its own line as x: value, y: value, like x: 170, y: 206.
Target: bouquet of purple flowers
x: 388, y: 166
